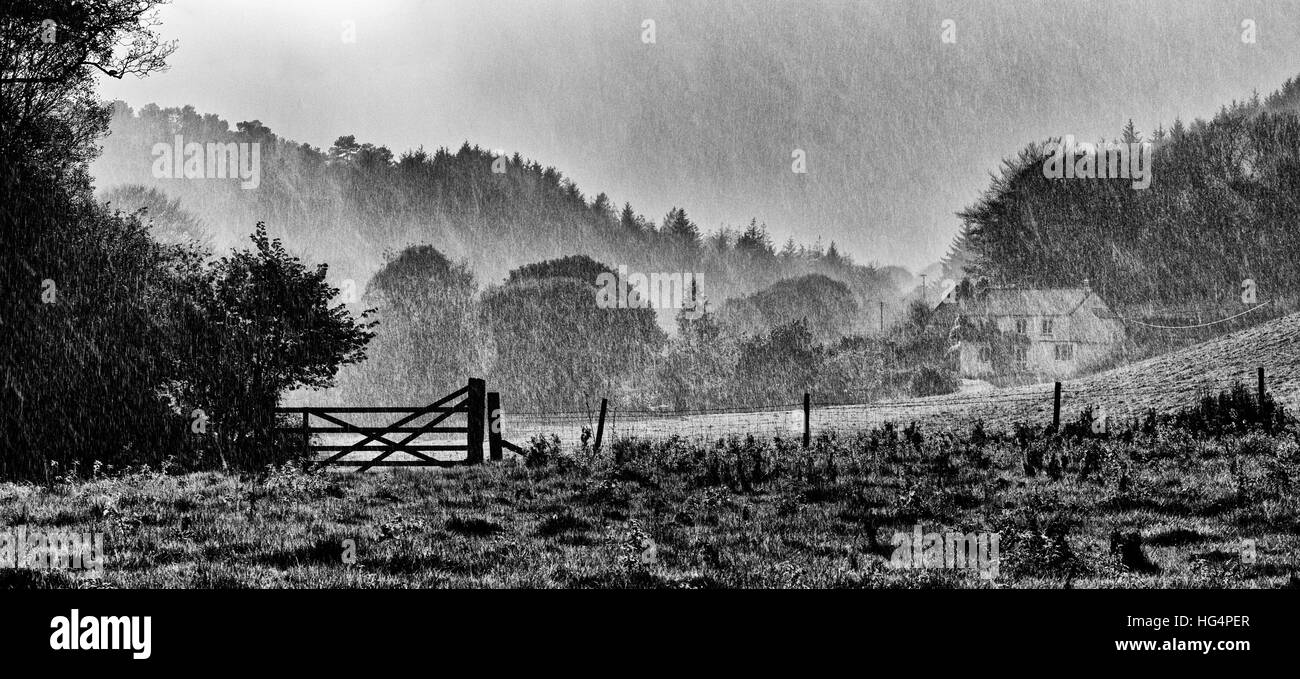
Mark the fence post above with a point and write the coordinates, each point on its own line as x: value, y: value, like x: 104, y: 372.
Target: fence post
x: 1056, y: 408
x: 474, y: 421
x: 494, y: 425
x: 1261, y: 388
x: 306, y: 436
x: 807, y: 411
x: 600, y: 426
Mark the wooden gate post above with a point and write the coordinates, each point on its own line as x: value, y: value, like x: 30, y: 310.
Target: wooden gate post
x: 600, y: 426
x: 474, y: 420
x: 494, y: 425
x: 1261, y: 388
x: 1056, y: 408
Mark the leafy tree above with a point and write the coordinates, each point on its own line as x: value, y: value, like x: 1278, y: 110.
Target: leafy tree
x: 577, y: 267
x: 430, y: 337
x: 853, y: 373
x: 555, y: 348
x: 827, y: 304
x: 699, y: 365
x: 87, y: 332
x: 932, y: 381
x: 254, y: 131
x: 48, y: 107
x: 83, y: 344
x: 918, y: 316
x: 260, y: 323
x: 345, y: 148
x: 168, y: 221
x: 373, y: 157
x: 773, y: 367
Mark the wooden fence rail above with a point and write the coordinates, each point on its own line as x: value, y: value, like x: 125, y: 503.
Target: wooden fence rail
x: 383, y: 441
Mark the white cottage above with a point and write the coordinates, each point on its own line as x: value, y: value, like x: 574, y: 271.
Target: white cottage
x: 1049, y: 333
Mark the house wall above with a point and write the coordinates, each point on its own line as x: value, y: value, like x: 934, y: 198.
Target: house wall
x: 1091, y: 337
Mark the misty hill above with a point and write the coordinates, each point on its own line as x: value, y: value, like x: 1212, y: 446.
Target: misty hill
x: 828, y: 306
x: 352, y: 203
x: 1222, y: 208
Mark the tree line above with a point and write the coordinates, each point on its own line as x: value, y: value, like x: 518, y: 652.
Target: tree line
x: 120, y: 349
x: 1221, y: 209
x: 540, y: 338
x: 352, y: 203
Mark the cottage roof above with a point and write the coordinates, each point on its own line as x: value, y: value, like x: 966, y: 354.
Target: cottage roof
x: 1027, y: 301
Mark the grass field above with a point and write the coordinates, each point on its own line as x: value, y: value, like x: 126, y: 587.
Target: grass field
x: 733, y: 514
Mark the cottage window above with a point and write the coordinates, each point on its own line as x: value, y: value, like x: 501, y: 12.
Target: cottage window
x: 1022, y: 325
x: 1022, y: 355
x: 1064, y: 352
x: 1047, y: 326
x: 986, y: 354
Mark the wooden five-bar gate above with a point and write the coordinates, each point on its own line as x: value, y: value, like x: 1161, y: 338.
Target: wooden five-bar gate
x: 474, y: 403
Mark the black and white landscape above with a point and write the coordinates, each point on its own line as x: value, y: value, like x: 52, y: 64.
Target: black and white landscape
x: 625, y: 294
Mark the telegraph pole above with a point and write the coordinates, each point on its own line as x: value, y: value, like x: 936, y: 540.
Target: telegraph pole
x: 923, y: 288
x: 882, y: 317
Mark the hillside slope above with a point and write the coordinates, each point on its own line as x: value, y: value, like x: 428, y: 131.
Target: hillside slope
x: 1166, y: 383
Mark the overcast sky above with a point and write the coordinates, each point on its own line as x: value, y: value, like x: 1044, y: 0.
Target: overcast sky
x: 900, y: 130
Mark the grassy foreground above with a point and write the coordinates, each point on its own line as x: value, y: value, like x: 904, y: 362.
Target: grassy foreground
x: 738, y: 513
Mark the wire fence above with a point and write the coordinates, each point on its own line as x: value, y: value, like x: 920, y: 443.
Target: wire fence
x: 998, y: 409
x: 784, y: 420
x: 1209, y: 313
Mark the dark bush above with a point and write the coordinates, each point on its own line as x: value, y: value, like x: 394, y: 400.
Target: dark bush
x: 930, y: 381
